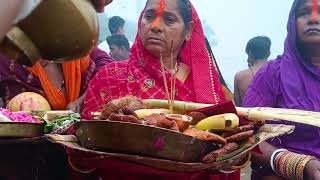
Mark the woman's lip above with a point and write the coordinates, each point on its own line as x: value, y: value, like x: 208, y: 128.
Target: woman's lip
x: 312, y: 30
x: 155, y: 39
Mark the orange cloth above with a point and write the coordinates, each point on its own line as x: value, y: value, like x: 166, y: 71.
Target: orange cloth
x: 72, y: 71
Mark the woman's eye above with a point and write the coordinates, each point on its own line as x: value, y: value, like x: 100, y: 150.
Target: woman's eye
x: 303, y: 13
x: 149, y: 16
x: 170, y: 20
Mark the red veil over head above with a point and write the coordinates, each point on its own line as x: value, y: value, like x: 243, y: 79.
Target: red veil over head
x: 141, y: 75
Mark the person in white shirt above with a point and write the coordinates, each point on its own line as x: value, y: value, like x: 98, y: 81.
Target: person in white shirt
x: 116, y: 26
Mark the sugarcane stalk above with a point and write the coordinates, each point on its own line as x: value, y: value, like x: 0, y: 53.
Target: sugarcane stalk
x: 178, y: 106
x: 276, y: 114
x: 252, y: 114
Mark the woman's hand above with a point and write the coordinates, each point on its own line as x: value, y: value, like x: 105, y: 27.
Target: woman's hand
x: 76, y: 105
x: 312, y: 170
x: 100, y: 4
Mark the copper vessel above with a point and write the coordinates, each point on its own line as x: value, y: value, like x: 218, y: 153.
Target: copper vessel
x: 57, y: 30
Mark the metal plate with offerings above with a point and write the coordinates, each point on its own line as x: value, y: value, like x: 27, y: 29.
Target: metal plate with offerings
x: 123, y: 137
x: 143, y: 132
x: 265, y: 132
x: 19, y: 125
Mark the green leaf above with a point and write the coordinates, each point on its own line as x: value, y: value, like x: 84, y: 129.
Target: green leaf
x: 48, y: 128
x: 76, y: 116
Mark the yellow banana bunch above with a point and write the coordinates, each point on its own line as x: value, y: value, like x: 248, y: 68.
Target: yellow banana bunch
x: 219, y: 122
x: 141, y: 113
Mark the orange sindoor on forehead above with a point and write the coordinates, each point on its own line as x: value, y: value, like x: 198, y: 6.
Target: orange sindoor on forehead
x: 162, y: 5
x: 314, y: 15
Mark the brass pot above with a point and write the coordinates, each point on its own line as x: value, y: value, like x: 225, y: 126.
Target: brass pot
x: 56, y: 30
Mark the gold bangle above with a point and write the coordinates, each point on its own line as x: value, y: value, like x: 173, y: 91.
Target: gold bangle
x: 299, y: 167
x: 290, y: 163
x: 304, y: 162
x: 283, y: 164
x: 295, y: 166
x: 279, y: 162
x: 287, y: 165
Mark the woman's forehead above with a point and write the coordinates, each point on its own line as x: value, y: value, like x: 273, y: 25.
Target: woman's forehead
x: 170, y: 5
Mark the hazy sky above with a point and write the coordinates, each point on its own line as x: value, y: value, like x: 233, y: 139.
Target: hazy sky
x: 234, y: 22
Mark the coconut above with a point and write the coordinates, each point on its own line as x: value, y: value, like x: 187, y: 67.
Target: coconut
x: 28, y: 101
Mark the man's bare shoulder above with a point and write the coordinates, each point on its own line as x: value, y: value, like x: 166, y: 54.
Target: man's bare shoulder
x: 243, y: 74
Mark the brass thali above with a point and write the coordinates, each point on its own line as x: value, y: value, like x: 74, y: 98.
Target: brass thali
x: 144, y: 140
x: 12, y: 130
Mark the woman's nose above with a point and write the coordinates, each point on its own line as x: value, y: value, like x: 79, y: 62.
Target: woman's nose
x: 157, y: 25
x: 313, y: 20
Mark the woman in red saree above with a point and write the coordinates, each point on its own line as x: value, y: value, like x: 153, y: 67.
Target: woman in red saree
x: 171, y: 30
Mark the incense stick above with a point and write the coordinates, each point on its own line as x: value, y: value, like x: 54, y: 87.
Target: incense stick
x: 174, y: 84
x: 171, y: 79
x: 164, y: 78
x: 173, y: 72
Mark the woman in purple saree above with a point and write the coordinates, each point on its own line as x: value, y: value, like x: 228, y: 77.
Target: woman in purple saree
x: 291, y: 81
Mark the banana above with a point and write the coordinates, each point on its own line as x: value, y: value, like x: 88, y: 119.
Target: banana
x: 219, y: 122
x: 141, y: 113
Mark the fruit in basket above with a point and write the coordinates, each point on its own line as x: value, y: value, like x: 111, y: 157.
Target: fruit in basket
x: 206, y: 136
x: 226, y: 149
x: 240, y: 129
x: 183, y: 121
x: 124, y: 118
x: 219, y: 122
x: 28, y: 101
x: 240, y: 136
x: 160, y: 120
x: 141, y: 113
x: 131, y: 103
x: 196, y: 117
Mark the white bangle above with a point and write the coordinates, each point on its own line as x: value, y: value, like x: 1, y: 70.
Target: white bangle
x: 273, y: 157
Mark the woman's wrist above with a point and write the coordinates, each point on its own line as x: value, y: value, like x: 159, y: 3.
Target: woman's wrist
x: 310, y: 167
x: 273, y: 156
x: 290, y: 165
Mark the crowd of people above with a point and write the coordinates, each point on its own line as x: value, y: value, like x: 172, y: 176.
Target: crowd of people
x: 117, y: 67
